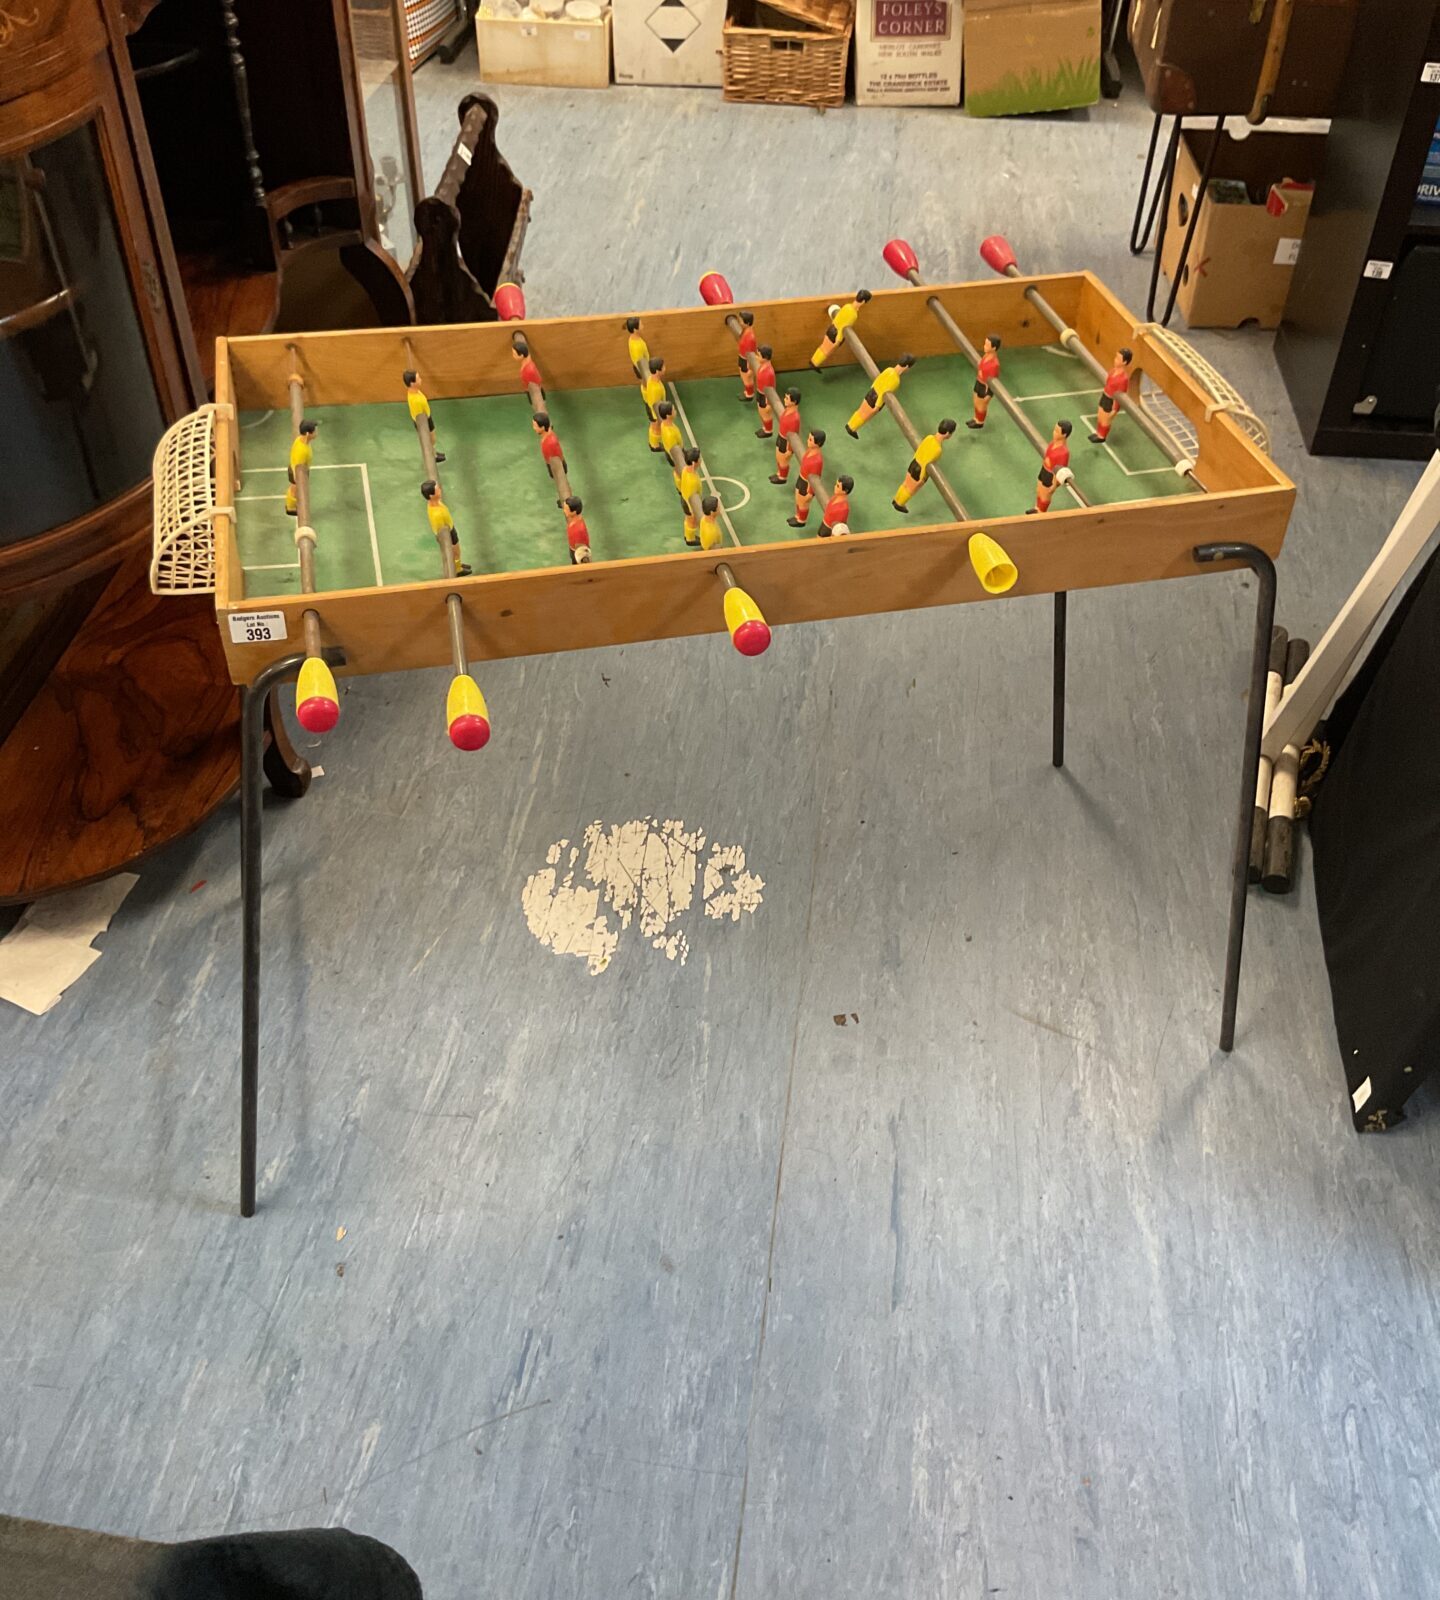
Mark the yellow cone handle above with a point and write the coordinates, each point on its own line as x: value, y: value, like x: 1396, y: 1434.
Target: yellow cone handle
x: 317, y: 702
x: 995, y: 570
x: 749, y: 632
x: 466, y: 714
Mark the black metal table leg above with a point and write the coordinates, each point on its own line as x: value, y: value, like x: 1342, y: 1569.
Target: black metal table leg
x: 252, y: 770
x: 1139, y: 240
x: 1195, y: 202
x: 1264, y: 570
x: 1057, y: 707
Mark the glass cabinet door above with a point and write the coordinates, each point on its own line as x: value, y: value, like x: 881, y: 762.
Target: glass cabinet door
x: 387, y: 97
x: 79, y: 413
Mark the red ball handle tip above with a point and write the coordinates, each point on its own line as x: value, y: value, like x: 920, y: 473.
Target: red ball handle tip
x: 715, y: 291
x: 996, y: 252
x: 510, y: 302
x: 901, y: 259
x: 317, y: 715
x: 752, y: 638
x: 470, y: 732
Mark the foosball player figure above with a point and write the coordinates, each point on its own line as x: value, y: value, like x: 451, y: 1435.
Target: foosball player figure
x: 886, y: 382
x: 927, y: 453
x: 1057, y: 458
x: 639, y: 350
x: 841, y: 317
x: 687, y: 479
x: 529, y: 372
x: 1117, y: 382
x: 441, y: 522
x: 786, y: 436
x: 550, y: 447
x: 301, y: 455
x: 419, y: 404
x: 652, y: 392
x: 985, y: 374
x: 812, y: 464
x: 835, y: 519
x: 709, y: 522
x: 746, y: 348
x: 670, y: 436
x: 577, y: 535
x: 764, y: 383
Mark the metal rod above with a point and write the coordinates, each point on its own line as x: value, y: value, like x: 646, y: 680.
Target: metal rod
x: 816, y: 482
x: 725, y: 575
x: 423, y: 430
x: 1132, y: 408
x: 537, y: 403
x: 1139, y: 240
x: 1057, y: 705
x: 305, y: 532
x: 674, y: 455
x: 896, y: 410
x: 1264, y: 570
x: 1197, y: 200
x: 456, y: 614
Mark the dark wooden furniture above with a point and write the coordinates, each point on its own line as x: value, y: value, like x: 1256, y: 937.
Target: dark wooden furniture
x: 169, y: 169
x: 1359, y: 346
x: 471, y: 229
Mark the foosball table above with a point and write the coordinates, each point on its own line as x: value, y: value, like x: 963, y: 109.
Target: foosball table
x: 373, y: 500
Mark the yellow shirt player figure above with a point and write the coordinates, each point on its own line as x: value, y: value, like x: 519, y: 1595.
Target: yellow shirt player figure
x: 709, y: 522
x: 419, y: 403
x: 441, y: 522
x: 301, y: 455
x: 841, y: 317
x: 639, y: 350
x: 927, y: 453
x: 886, y: 382
x: 652, y: 392
x: 670, y: 436
x: 688, y: 485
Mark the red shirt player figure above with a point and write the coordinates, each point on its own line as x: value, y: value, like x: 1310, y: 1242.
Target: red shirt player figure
x: 577, y: 534
x: 788, y: 433
x: 836, y: 517
x: 1057, y: 459
x: 764, y: 383
x: 551, y: 449
x: 1117, y: 382
x: 985, y: 374
x: 529, y: 372
x: 747, y: 349
x: 812, y: 464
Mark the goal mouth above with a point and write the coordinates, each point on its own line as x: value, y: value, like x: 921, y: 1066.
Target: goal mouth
x: 1223, y: 395
x: 183, y: 477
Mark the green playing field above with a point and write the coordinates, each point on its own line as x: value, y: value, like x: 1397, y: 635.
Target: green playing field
x: 372, y: 527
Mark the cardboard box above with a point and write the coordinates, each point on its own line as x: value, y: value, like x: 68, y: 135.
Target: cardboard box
x: 559, y: 53
x: 907, y: 53
x: 1031, y: 55
x: 668, y: 42
x: 1243, y: 255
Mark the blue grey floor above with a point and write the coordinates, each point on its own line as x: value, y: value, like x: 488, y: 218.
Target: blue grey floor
x: 663, y: 1282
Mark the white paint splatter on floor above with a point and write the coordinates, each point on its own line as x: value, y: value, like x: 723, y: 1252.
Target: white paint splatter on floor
x: 644, y: 871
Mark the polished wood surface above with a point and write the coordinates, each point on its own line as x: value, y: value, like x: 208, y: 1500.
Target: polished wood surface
x: 132, y: 741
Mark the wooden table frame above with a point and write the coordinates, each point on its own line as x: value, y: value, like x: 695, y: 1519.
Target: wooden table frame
x: 1239, y: 523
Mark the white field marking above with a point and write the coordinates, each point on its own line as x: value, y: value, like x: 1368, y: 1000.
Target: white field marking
x: 646, y: 870
x: 721, y: 478
x: 259, y: 496
x: 370, y: 518
x: 1075, y: 394
x: 724, y: 510
x: 318, y: 466
x: 1060, y: 350
x: 264, y: 416
x: 273, y: 566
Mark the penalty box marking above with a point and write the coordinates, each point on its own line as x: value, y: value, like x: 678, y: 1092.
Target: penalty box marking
x: 325, y: 466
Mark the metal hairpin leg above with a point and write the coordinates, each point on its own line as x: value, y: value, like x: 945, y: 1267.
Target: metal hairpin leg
x: 1264, y: 570
x: 1139, y: 240
x: 1057, y: 709
x: 252, y: 770
x: 1195, y: 202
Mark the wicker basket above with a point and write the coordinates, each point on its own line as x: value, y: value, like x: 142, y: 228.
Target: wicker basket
x: 802, y: 64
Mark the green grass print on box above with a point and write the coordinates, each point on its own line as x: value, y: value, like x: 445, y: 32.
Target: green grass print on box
x: 1071, y: 83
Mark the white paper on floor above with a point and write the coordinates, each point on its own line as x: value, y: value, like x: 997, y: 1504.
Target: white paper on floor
x: 50, y: 946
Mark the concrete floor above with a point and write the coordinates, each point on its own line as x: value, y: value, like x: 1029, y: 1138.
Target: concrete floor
x: 910, y: 1238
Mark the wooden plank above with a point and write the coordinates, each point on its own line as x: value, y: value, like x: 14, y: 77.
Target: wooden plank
x: 1227, y: 457
x: 363, y: 365
x: 663, y: 597
x: 229, y: 577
